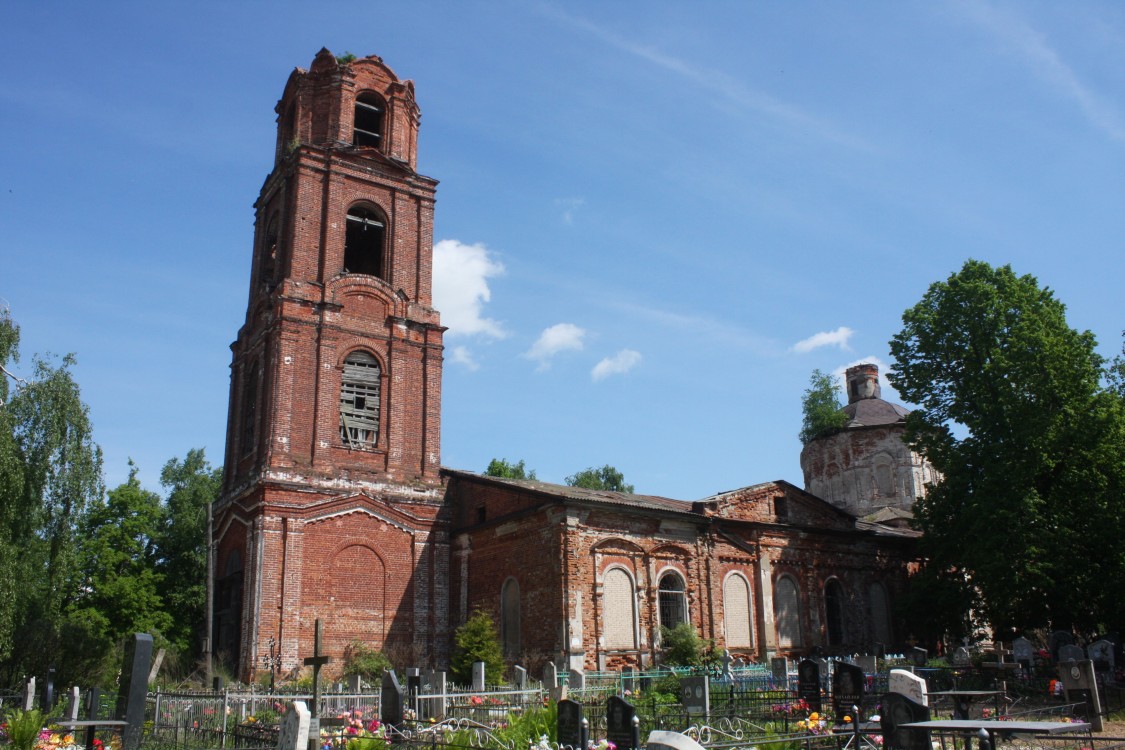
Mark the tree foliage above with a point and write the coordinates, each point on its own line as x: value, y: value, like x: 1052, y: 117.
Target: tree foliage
x: 821, y: 408
x: 605, y: 478
x: 369, y: 663
x: 681, y: 646
x: 477, y: 640
x: 1026, y: 519
x: 500, y: 467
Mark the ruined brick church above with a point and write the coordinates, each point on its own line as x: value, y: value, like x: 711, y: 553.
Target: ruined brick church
x: 335, y: 506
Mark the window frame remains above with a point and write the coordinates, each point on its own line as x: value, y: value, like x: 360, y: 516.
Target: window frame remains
x: 361, y: 389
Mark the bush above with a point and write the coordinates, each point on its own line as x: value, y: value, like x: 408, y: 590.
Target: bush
x: 681, y: 647
x: 24, y: 728
x: 362, y: 660
x: 475, y: 641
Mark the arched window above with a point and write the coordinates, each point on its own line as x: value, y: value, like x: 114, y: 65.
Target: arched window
x: 363, y: 242
x: 736, y: 608
x: 787, y: 612
x: 884, y: 477
x: 249, y: 408
x: 368, y: 124
x: 834, y: 613
x: 359, y: 401
x: 510, y: 618
x: 879, y: 613
x: 619, y: 610
x: 673, y: 600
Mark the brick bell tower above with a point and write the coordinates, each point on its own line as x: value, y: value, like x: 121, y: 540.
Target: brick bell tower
x: 331, y: 500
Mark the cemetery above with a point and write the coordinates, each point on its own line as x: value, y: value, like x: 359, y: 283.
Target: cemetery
x: 1013, y: 695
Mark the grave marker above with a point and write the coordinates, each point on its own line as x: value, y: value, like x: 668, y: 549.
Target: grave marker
x: 897, y: 710
x: 779, y: 671
x: 1056, y: 640
x: 1081, y: 686
x: 29, y: 694
x: 728, y: 673
x: 695, y: 695
x: 961, y: 657
x: 519, y: 675
x: 1069, y: 652
x: 293, y: 734
x: 73, y: 704
x: 909, y: 685
x: 134, y: 688
x: 1101, y: 653
x: 569, y: 723
x: 848, y: 686
x: 868, y: 664
x: 1023, y: 652
x: 808, y: 684
x: 550, y: 676
x: 621, y: 730
x: 392, y: 710
x: 577, y: 680
x: 316, y: 661
x: 662, y: 740
x: 918, y: 656
x: 478, y: 675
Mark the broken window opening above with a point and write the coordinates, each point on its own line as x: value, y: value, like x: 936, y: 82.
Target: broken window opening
x: 359, y: 401
x: 673, y: 600
x: 367, y: 130
x: 363, y: 242
x: 834, y: 612
x: 249, y: 408
x: 269, y: 262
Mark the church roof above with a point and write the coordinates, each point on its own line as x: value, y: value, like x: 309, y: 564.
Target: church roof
x: 870, y: 412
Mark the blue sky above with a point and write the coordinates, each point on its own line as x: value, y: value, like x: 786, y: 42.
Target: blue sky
x: 654, y: 219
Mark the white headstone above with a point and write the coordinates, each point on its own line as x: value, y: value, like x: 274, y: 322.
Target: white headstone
x: 661, y: 740
x: 73, y: 704
x: 294, y: 730
x: 519, y: 676
x: 29, y: 695
x: 909, y: 685
x: 550, y: 676
x: 577, y: 680
x: 478, y: 675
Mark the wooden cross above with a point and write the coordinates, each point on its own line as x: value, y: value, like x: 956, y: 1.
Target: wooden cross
x: 316, y: 661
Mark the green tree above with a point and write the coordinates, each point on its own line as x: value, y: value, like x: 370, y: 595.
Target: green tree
x: 500, y: 467
x: 605, y: 478
x: 1026, y: 519
x: 475, y: 641
x: 120, y: 585
x: 823, y: 413
x: 181, y: 546
x: 50, y: 469
x: 360, y: 659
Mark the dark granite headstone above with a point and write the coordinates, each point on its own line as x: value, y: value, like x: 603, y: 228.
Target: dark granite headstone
x: 569, y: 723
x: 1056, y: 640
x: 918, y: 656
x: 134, y: 688
x: 848, y: 686
x: 808, y: 684
x: 898, y: 710
x: 779, y: 671
x: 619, y: 715
x: 391, y: 700
x: 695, y: 695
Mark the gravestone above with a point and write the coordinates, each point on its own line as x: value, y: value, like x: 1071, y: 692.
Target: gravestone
x: 576, y: 680
x: 629, y: 679
x: 391, y: 701
x: 728, y: 673
x: 29, y: 694
x: 133, y: 689
x: 1101, y: 653
x: 1056, y: 640
x: 353, y: 683
x: 569, y: 723
x: 316, y: 661
x: 619, y: 729
x: 437, y: 686
x: 961, y: 657
x: 1023, y: 653
x: 293, y: 734
x: 779, y: 670
x: 550, y: 676
x: 695, y: 695
x: 908, y: 685
x: 519, y: 677
x: 478, y: 675
x: 868, y: 664
x: 808, y: 684
x: 413, y: 687
x: 49, y: 691
x: 73, y: 704
x: 1070, y: 652
x: 897, y: 710
x: 918, y: 656
x: 1081, y: 686
x: 848, y: 685
x: 661, y: 740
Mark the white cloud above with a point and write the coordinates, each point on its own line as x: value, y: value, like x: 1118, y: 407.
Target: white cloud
x: 462, y: 356
x: 569, y: 206
x: 461, y: 274
x: 618, y: 364
x: 839, y: 338
x: 560, y: 337
x: 1032, y: 47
